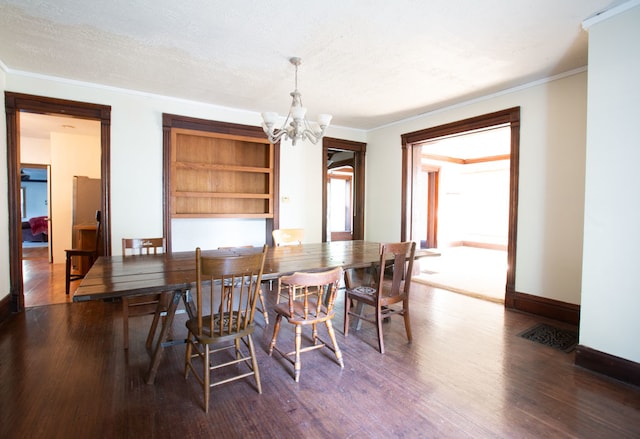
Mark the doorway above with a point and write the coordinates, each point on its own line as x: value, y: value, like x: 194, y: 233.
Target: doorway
x: 17, y: 104
x: 342, y: 189
x: 464, y: 215
x: 340, y: 195
x: 420, y: 218
x: 35, y: 203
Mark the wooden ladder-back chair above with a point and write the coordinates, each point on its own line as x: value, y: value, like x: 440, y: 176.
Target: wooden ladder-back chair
x: 135, y: 306
x: 397, y: 258
x: 224, y: 318
x: 263, y: 303
x: 90, y: 254
x: 308, y: 306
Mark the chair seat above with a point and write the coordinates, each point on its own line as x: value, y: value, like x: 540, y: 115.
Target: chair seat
x: 298, y: 313
x: 363, y: 292
x: 368, y: 295
x: 208, y: 338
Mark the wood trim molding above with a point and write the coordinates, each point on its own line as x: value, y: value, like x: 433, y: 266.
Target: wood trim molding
x: 359, y: 149
x: 5, y: 308
x: 211, y: 126
x: 16, y: 102
x: 609, y: 365
x: 510, y: 116
x: 542, y: 306
x: 458, y: 161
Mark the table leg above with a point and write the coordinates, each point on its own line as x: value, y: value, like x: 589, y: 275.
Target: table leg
x: 188, y: 304
x: 164, y: 333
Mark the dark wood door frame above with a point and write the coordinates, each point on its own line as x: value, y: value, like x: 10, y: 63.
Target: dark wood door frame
x: 433, y: 178
x: 347, y: 234
x: 359, y: 149
x: 14, y: 104
x: 510, y: 116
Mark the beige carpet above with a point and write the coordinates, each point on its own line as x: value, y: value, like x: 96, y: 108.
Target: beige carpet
x: 467, y: 270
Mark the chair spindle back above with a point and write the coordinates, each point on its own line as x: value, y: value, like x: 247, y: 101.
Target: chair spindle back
x: 227, y: 289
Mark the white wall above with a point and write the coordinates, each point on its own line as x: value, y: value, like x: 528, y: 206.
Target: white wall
x: 136, y: 166
x: 611, y: 278
x: 551, y: 191
x: 71, y: 155
x: 35, y: 151
x: 551, y: 175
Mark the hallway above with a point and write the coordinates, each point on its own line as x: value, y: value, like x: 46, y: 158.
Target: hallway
x: 43, y: 282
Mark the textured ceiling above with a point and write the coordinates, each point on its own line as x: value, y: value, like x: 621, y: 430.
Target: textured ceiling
x: 367, y: 62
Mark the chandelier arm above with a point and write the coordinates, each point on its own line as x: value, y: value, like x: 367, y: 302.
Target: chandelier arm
x: 296, y: 127
x: 312, y: 136
x: 275, y: 137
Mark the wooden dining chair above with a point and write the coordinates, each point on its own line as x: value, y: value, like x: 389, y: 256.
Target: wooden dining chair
x: 263, y: 303
x: 286, y: 237
x: 311, y: 300
x: 224, y: 319
x: 397, y: 260
x: 91, y: 255
x: 135, y: 306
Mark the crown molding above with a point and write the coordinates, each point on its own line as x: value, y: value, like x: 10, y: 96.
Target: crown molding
x: 486, y: 97
x: 601, y: 16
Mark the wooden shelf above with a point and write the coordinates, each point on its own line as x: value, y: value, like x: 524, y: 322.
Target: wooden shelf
x: 217, y: 175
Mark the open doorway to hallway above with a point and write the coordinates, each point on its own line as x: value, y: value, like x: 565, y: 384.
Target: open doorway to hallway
x: 460, y: 197
x: 67, y: 151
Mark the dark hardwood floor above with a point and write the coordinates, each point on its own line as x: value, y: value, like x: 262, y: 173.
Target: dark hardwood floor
x: 467, y: 374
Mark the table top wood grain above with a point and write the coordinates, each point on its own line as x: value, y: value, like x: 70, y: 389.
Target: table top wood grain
x: 115, y: 276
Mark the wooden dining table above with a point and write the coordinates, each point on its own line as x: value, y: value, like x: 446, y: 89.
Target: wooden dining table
x: 116, y: 276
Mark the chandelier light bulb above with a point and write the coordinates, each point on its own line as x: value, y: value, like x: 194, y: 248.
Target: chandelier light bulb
x: 295, y: 126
